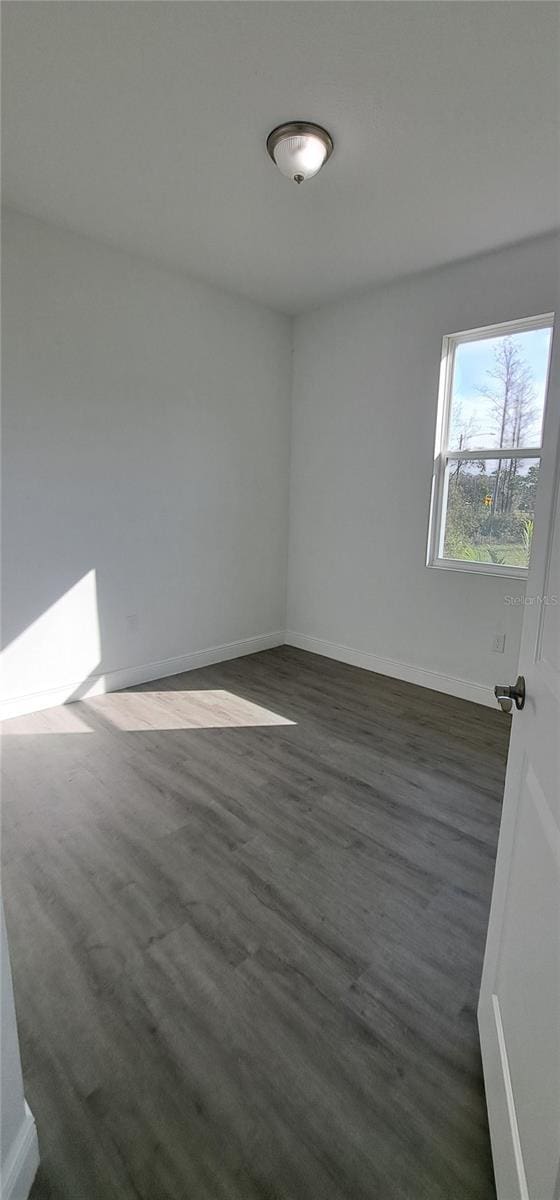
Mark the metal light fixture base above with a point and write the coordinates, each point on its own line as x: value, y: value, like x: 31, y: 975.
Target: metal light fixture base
x: 295, y: 128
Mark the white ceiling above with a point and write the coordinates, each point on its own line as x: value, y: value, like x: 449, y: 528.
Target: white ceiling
x: 145, y: 124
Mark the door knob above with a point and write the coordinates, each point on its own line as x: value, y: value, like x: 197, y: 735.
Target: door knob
x: 506, y: 694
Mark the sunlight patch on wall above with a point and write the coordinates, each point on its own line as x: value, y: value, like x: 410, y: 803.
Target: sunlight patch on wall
x: 57, y: 651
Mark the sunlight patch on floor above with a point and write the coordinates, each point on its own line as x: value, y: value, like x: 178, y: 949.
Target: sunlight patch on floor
x: 65, y: 718
x: 204, y: 709
x: 158, y: 710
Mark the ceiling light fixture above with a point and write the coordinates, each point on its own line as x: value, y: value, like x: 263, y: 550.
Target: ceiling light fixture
x: 299, y: 149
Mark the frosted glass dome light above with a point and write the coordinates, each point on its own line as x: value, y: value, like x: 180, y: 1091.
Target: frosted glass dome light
x: 299, y: 149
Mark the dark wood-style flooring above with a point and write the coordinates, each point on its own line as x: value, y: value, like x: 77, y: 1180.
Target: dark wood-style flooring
x: 247, y: 909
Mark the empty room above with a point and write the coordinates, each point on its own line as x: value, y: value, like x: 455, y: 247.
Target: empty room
x: 280, y: 600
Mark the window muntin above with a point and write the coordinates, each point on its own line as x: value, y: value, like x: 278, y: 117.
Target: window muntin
x: 492, y: 398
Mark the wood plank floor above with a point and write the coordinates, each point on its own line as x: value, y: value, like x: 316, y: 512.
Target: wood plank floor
x: 247, y: 909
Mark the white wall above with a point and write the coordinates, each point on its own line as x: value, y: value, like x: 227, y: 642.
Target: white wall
x: 19, y: 1153
x: 365, y: 392
x: 146, y: 464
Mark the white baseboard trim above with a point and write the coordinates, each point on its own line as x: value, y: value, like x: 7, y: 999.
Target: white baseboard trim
x: 22, y: 1161
x: 464, y: 689
x: 113, y: 681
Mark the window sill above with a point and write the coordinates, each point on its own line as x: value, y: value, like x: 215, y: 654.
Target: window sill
x: 475, y: 568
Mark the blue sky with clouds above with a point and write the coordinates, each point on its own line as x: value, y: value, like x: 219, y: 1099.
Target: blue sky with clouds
x: 472, y: 362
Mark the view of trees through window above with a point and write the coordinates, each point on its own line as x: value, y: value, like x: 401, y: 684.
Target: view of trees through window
x: 497, y: 404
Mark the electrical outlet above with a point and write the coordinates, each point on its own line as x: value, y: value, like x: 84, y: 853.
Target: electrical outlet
x: 499, y: 643
x: 132, y: 621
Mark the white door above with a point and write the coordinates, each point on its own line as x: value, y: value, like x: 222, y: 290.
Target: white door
x: 519, y: 1007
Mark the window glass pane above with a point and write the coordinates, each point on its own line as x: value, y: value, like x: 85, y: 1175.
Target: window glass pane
x: 489, y: 510
x: 498, y: 391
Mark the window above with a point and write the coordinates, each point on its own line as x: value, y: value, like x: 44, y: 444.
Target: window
x: 488, y: 447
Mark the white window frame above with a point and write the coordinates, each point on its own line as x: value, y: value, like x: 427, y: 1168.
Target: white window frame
x: 442, y: 455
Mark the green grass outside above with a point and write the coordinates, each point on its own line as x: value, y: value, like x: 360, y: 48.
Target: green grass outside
x: 509, y: 554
